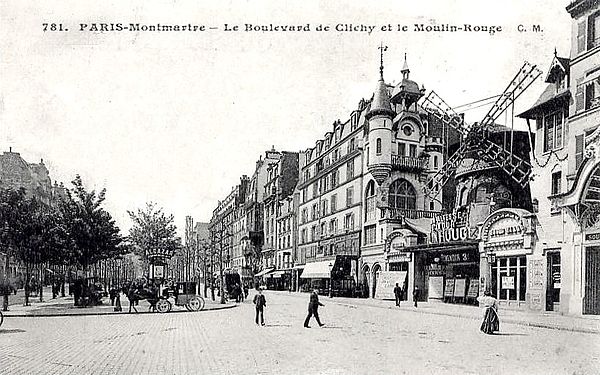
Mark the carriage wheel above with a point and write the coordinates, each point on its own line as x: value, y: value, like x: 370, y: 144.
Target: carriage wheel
x: 163, y: 306
x: 187, y: 307
x: 196, y: 303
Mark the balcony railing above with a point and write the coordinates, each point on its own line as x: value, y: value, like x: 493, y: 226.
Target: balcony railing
x: 409, y: 162
x: 405, y: 213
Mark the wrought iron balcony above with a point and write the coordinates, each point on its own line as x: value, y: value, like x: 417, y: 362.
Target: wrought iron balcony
x: 390, y: 213
x: 400, y: 162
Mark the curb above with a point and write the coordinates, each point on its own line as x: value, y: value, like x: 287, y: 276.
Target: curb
x: 464, y: 316
x: 111, y: 313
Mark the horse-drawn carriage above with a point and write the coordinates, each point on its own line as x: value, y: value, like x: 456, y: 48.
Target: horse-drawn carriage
x: 182, y: 294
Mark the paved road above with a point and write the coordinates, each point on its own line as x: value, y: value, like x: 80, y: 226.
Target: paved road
x: 363, y: 340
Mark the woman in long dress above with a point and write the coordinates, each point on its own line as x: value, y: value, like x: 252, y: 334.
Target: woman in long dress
x: 491, y: 322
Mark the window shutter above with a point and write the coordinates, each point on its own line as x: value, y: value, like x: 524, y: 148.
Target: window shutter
x: 578, y: 150
x: 579, y: 96
x: 581, y: 37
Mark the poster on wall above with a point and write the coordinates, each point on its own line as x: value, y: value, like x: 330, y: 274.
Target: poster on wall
x: 386, y: 281
x: 473, y: 291
x: 508, y: 282
x: 436, y: 287
x: 460, y: 288
x: 449, y: 290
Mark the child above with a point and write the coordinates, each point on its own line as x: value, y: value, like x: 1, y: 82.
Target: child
x: 260, y: 302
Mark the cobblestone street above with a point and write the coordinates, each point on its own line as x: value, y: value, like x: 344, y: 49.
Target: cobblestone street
x: 356, y: 340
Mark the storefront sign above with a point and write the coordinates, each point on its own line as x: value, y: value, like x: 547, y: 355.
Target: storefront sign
x: 592, y: 236
x: 460, y: 287
x: 158, y: 271
x: 436, y: 269
x: 452, y: 228
x: 508, y: 282
x: 399, y: 257
x: 536, y: 273
x: 473, y: 288
x: 449, y: 289
x: 502, y: 226
x: 436, y: 287
x: 386, y: 282
x: 457, y: 257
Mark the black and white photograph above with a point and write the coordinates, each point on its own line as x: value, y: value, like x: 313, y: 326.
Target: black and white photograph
x: 302, y: 187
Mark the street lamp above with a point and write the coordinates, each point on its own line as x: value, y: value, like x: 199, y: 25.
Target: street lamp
x: 330, y: 280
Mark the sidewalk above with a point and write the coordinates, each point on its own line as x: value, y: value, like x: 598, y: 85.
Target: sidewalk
x: 587, y: 324
x: 63, y: 306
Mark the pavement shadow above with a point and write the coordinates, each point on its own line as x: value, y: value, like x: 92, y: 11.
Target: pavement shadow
x: 510, y: 334
x: 278, y: 325
x: 16, y: 330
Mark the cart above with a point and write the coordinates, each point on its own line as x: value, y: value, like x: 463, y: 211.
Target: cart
x: 184, y: 295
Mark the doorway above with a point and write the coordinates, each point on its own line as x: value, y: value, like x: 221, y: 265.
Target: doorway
x: 553, y: 278
x: 591, y: 300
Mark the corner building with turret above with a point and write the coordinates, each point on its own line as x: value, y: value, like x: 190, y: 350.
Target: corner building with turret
x: 362, y: 199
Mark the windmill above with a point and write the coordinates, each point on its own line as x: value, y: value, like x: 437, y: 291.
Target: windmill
x: 476, y: 137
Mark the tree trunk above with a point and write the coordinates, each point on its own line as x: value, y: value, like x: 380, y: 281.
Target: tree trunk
x: 41, y: 282
x: 27, y: 280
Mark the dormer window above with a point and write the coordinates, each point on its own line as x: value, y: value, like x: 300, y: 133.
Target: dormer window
x: 407, y: 130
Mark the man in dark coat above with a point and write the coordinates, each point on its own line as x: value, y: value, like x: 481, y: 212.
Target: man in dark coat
x: 313, y: 309
x: 398, y: 294
x: 416, y: 295
x: 260, y: 302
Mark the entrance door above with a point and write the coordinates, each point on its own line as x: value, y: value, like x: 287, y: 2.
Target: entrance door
x: 591, y: 300
x: 553, y: 282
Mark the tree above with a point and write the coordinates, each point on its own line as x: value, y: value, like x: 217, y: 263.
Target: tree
x: 92, y: 230
x: 153, y: 233
x: 32, y: 232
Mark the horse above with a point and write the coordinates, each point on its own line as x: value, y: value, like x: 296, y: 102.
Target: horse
x: 136, y: 295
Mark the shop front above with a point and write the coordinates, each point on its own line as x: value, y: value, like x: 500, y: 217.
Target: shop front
x: 335, y: 277
x: 511, y: 270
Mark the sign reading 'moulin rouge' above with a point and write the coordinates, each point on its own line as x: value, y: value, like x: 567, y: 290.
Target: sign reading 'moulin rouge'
x: 452, y: 227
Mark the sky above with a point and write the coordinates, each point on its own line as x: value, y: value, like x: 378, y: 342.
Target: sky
x: 177, y: 117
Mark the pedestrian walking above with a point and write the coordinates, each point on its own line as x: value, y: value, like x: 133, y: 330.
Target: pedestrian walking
x: 260, y: 302
x: 491, y: 321
x: 416, y: 293
x: 398, y: 294
x: 313, y: 309
x: 246, y: 291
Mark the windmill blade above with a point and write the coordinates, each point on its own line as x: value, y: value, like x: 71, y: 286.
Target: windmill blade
x: 522, y: 80
x: 438, y: 108
x: 439, y: 178
x: 517, y: 168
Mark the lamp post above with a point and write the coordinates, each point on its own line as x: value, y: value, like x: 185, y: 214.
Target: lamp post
x: 330, y: 280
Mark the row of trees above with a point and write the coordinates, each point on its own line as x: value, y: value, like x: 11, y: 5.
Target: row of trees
x: 74, y: 229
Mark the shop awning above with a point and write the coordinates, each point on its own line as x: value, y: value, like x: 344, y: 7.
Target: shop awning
x: 299, y: 267
x: 317, y: 270
x: 264, y: 272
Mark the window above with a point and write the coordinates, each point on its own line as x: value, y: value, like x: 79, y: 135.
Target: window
x: 314, y: 211
x: 323, y: 230
x: 378, y: 148
x: 313, y: 233
x: 333, y: 203
x: 581, y: 37
x: 351, y: 145
x: 402, y: 149
x: 413, y: 151
x: 370, y: 202
x: 556, y: 177
x: 349, y: 196
x: 509, y: 278
x: 435, y: 161
x: 402, y: 195
x: 593, y: 30
x: 315, y: 189
x: 333, y: 226
x: 304, y: 194
x: 431, y: 206
x: 323, y: 208
x: 349, y: 222
x: 367, y: 155
x: 303, y: 236
x: 350, y: 170
x: 370, y: 234
x: 304, y: 215
x: 407, y: 130
x: 334, y: 178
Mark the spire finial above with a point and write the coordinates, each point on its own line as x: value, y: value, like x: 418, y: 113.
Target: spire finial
x: 405, y: 69
x: 382, y: 49
x: 555, y: 53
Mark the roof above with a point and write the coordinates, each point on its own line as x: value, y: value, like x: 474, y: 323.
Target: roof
x: 381, y: 101
x: 549, y: 99
x: 406, y: 86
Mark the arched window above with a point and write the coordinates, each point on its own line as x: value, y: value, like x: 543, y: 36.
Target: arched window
x: 402, y: 195
x: 378, y: 149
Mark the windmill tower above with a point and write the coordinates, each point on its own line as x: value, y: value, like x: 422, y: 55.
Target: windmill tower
x: 491, y: 167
